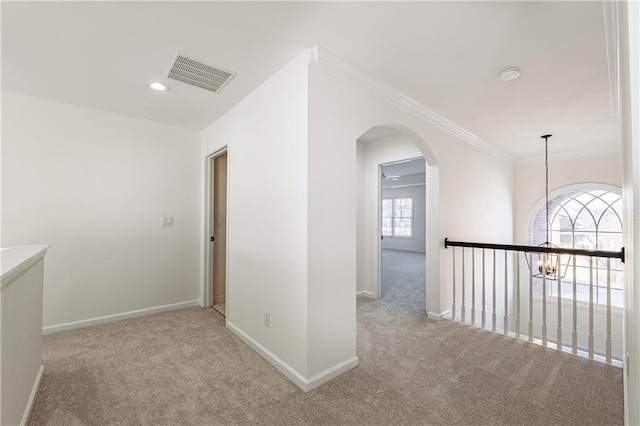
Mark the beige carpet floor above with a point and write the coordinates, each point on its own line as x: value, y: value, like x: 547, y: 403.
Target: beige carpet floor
x: 184, y: 367
x: 404, y: 278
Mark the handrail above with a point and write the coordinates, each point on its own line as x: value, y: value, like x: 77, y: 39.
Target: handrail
x: 538, y: 249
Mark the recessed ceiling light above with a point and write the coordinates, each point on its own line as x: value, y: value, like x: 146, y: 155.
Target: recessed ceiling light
x: 509, y: 74
x: 159, y: 86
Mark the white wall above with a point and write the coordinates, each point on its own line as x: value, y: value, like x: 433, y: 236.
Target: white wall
x: 630, y: 113
x: 267, y: 213
x: 341, y: 110
x: 94, y: 184
x: 293, y: 180
x: 417, y: 194
x: 361, y: 209
x: 530, y: 183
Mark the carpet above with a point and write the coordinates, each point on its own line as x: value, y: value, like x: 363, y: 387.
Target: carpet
x: 185, y: 367
x: 404, y: 278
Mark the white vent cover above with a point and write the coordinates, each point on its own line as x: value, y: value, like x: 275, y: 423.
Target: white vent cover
x: 198, y: 74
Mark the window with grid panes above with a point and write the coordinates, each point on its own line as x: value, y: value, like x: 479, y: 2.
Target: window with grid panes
x: 584, y: 219
x: 397, y: 217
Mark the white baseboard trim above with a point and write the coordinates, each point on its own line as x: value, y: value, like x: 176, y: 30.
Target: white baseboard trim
x: 289, y: 372
x: 117, y: 317
x: 365, y: 293
x: 331, y: 373
x: 438, y: 317
x: 32, y: 398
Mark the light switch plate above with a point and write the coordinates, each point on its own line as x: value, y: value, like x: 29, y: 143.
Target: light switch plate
x: 166, y: 220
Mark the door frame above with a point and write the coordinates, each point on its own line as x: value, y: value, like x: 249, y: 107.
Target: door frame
x: 379, y: 164
x: 207, y: 284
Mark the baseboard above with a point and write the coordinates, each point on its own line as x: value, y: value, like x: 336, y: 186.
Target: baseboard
x: 265, y: 353
x: 331, y: 373
x: 438, y: 317
x: 288, y: 371
x: 32, y: 398
x: 220, y: 299
x: 117, y: 317
x: 366, y: 293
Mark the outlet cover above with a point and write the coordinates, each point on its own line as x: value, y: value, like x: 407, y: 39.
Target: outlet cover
x: 166, y: 220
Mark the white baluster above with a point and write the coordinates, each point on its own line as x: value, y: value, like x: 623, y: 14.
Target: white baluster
x: 559, y: 328
x: 531, y: 297
x: 590, y: 307
x: 473, y: 286
x: 453, y: 305
x: 462, y: 306
x: 544, y: 301
x: 608, y: 310
x: 574, y: 335
x: 506, y: 296
x: 493, y: 314
x: 484, y: 312
x: 517, y: 295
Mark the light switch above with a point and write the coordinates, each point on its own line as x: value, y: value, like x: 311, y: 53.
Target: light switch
x: 166, y: 220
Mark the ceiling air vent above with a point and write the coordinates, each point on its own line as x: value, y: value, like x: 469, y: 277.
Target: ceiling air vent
x: 198, y: 74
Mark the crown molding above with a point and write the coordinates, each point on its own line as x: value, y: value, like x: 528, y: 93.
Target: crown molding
x: 570, y: 155
x: 340, y: 68
x: 610, y: 14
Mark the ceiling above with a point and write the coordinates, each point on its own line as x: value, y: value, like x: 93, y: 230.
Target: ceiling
x: 405, y: 168
x: 446, y: 56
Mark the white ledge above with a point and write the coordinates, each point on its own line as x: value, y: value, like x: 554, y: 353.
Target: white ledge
x: 15, y: 260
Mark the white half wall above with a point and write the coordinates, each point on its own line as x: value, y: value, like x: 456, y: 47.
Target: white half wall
x: 94, y: 184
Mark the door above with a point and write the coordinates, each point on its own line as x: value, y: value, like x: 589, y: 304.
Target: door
x: 219, y: 227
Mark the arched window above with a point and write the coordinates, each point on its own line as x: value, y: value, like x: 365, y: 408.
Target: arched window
x: 584, y: 219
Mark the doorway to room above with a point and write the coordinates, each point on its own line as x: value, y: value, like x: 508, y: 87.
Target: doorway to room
x: 403, y: 232
x: 218, y: 227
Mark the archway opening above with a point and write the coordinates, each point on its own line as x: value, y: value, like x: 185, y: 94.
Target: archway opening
x: 397, y: 218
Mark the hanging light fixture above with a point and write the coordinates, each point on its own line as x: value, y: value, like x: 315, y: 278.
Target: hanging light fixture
x: 548, y: 264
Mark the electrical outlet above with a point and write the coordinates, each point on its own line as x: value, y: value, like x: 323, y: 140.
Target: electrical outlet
x: 166, y: 220
x: 267, y: 318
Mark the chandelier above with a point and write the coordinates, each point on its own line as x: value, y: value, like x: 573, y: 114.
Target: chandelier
x: 548, y: 265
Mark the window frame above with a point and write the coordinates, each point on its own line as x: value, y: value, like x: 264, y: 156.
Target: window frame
x: 393, y: 217
x: 573, y: 191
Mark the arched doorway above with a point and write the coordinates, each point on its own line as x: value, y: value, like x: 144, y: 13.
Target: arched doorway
x: 383, y: 146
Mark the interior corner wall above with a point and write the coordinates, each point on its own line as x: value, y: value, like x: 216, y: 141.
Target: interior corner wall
x: 475, y: 203
x: 94, y: 184
x: 266, y: 134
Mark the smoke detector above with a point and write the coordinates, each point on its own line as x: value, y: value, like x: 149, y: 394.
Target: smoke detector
x: 509, y: 74
x: 198, y: 74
